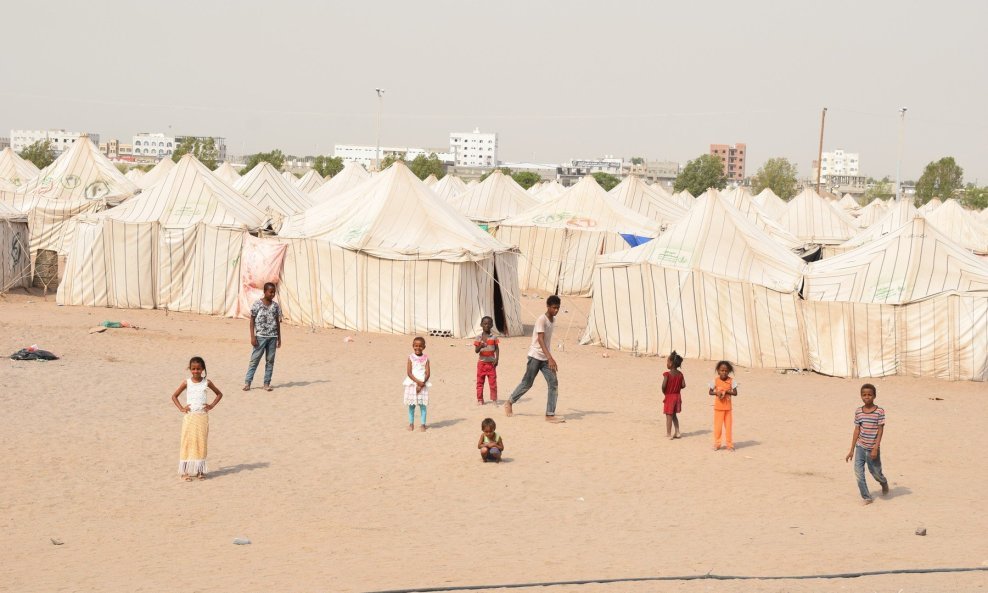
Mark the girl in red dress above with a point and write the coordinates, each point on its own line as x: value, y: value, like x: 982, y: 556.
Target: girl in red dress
x: 673, y: 382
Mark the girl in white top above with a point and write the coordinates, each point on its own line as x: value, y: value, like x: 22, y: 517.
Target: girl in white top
x: 416, y: 383
x: 195, y: 425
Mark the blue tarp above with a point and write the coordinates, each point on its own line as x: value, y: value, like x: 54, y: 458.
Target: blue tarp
x: 635, y: 240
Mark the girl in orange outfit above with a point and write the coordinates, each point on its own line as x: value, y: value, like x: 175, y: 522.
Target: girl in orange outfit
x: 723, y: 388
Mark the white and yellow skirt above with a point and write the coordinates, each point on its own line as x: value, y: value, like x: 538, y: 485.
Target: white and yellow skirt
x: 192, y: 450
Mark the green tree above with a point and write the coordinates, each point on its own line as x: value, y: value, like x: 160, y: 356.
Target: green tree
x: 39, y: 153
x: 204, y: 150
x: 940, y: 179
x: 390, y: 160
x: 526, y: 179
x: 778, y: 175
x: 637, y: 160
x: 879, y: 189
x: 423, y: 166
x: 327, y: 166
x: 975, y: 197
x: 275, y: 158
x: 701, y: 174
x: 606, y: 180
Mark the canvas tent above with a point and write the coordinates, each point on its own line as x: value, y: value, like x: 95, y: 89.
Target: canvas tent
x: 156, y: 174
x: 911, y: 302
x: 310, y: 182
x: 712, y: 286
x: 560, y: 238
x: 389, y: 256
x: 812, y: 219
x: 743, y: 202
x: 899, y: 214
x: 962, y: 226
x: 494, y: 199
x: 352, y: 175
x: 449, y: 187
x: 227, y: 173
x: 848, y: 203
x: 288, y: 176
x: 650, y: 202
x: 430, y: 180
x: 15, y: 171
x: 271, y: 192
x: 550, y: 190
x: 772, y: 205
x: 176, y: 246
x: 930, y: 206
x: 134, y: 175
x: 15, y: 257
x: 872, y: 213
x: 684, y: 198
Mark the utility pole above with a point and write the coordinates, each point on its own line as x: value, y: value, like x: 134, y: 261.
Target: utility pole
x: 819, y: 155
x: 898, y: 160
x: 380, y: 106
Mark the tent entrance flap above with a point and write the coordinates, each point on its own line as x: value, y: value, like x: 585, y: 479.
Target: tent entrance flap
x: 500, y: 319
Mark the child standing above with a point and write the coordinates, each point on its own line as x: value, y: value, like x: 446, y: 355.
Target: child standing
x: 673, y: 382
x: 486, y: 345
x: 491, y: 446
x: 540, y: 360
x: 869, y: 426
x: 723, y: 388
x: 265, y: 335
x: 417, y: 384
x: 195, y: 424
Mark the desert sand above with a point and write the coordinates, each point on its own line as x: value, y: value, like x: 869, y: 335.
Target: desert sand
x: 335, y: 494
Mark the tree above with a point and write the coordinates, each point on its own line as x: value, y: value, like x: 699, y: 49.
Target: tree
x: 327, y: 166
x: 701, y: 174
x: 204, y: 150
x: 526, y: 179
x: 39, y: 153
x: 424, y: 166
x: 940, y: 179
x: 390, y: 160
x: 637, y: 160
x: 778, y: 175
x: 606, y: 180
x: 275, y: 158
x: 975, y: 197
x: 879, y: 189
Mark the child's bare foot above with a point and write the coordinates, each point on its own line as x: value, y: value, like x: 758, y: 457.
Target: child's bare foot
x: 411, y: 427
x: 731, y: 448
x: 267, y: 388
x: 185, y: 478
x: 885, y: 489
x: 423, y: 428
x: 716, y: 447
x: 678, y: 436
x: 201, y: 476
x: 507, y: 409
x: 554, y: 419
x: 246, y: 387
x: 480, y: 402
x: 867, y: 501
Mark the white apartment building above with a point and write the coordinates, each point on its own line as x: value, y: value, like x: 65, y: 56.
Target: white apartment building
x: 365, y: 154
x: 60, y: 139
x: 154, y: 145
x: 473, y: 148
x: 840, y: 163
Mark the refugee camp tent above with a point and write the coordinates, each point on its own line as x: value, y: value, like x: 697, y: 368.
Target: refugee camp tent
x: 684, y: 198
x: 430, y: 180
x: 288, y: 176
x: 15, y: 171
x: 15, y: 257
x: 848, y: 204
x: 389, y: 256
x: 712, y: 286
x: 812, y: 219
x: 134, y: 174
x: 742, y: 200
x: 961, y: 225
x: 227, y: 173
x: 449, y: 187
x: 911, y: 302
x: 352, y: 175
x: 156, y: 174
x: 772, y: 205
x: 175, y: 246
x: 560, y: 238
x: 310, y: 182
x: 872, y: 213
x: 930, y: 206
x: 494, y: 199
x: 534, y: 190
x: 271, y: 192
x: 650, y: 201
x: 550, y: 190
x: 899, y: 213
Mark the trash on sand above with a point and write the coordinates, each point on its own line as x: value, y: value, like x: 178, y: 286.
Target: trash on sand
x: 241, y: 541
x: 56, y: 542
x: 32, y: 353
x: 347, y: 340
x: 920, y: 531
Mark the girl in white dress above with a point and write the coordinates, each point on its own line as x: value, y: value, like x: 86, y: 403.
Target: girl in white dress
x: 195, y: 424
x: 417, y: 383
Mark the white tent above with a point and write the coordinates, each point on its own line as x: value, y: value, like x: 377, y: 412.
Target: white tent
x: 560, y: 238
x: 930, y: 206
x: 15, y: 171
x: 872, y: 213
x: 310, y: 182
x: 911, y: 302
x: 494, y: 199
x: 156, y: 174
x: 389, y: 256
x: 534, y: 190
x: 227, y: 173
x: 15, y: 257
x: 134, y: 174
x: 352, y: 175
x: 430, y: 180
x: 287, y: 176
x: 962, y: 226
x: 650, y: 201
x: 449, y: 187
x: 712, y: 286
x: 848, y: 203
x: 772, y: 205
x: 899, y: 213
x: 684, y: 198
x: 742, y: 200
x: 176, y: 246
x: 813, y: 219
x: 271, y: 192
x: 80, y: 181
x: 550, y: 190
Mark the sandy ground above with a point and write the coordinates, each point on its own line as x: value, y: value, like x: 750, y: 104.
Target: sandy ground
x: 336, y: 495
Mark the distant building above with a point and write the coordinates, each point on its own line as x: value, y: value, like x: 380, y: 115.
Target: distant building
x: 474, y: 148
x: 157, y: 146
x: 571, y: 172
x: 60, y: 139
x: 125, y: 152
x: 365, y: 154
x: 662, y: 172
x: 732, y: 158
x: 4, y: 143
x: 838, y: 164
x: 110, y: 149
x: 547, y: 172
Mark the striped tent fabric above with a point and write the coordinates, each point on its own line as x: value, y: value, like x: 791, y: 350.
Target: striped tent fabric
x: 264, y: 187
x: 310, y: 182
x: 930, y: 206
x: 560, y: 238
x: 389, y: 256
x: 899, y: 214
x: 430, y: 180
x: 684, y: 198
x: 712, y: 286
x: 227, y: 173
x: 134, y: 175
x: 288, y: 176
x: 352, y: 175
x: 449, y: 187
x: 848, y: 204
x: 649, y: 201
x: 550, y: 190
x: 534, y: 190
x: 494, y: 199
x: 156, y: 174
x: 772, y: 205
x: 15, y: 171
x: 911, y: 302
x: 872, y: 213
x: 15, y: 255
x: 176, y: 246
x: 742, y: 200
x: 812, y: 219
x: 964, y: 227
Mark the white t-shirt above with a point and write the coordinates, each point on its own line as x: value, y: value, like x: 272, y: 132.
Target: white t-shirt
x: 542, y: 326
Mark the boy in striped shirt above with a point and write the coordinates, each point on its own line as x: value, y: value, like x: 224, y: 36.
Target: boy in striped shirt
x: 869, y: 425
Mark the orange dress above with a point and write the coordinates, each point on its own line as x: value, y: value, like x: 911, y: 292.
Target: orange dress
x: 723, y: 412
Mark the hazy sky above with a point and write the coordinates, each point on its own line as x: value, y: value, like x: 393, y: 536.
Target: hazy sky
x: 557, y: 80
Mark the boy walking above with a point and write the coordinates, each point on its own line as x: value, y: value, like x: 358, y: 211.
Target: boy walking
x: 869, y: 425
x: 540, y: 360
x: 486, y: 345
x: 265, y: 335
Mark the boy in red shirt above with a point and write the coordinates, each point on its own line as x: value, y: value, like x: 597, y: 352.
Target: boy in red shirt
x: 486, y: 345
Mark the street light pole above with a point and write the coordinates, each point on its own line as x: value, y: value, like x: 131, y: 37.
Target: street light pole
x: 898, y: 160
x: 380, y: 106
x: 819, y: 156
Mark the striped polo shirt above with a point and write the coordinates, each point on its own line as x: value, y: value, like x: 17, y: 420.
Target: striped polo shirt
x: 869, y: 423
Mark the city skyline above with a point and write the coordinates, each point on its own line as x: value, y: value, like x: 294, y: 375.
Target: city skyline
x: 554, y: 84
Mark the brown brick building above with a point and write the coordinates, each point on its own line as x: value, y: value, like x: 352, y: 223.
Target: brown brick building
x: 732, y: 156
